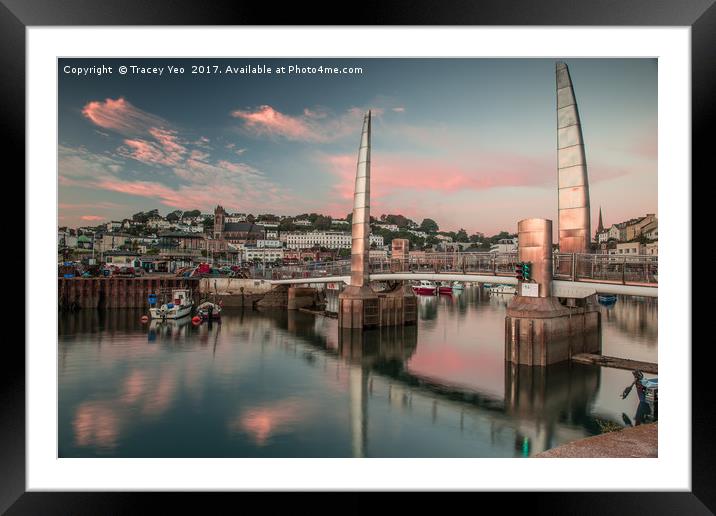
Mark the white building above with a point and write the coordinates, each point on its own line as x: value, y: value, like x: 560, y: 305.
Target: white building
x: 504, y: 245
x: 65, y: 239
x: 302, y: 222
x: 444, y: 238
x: 265, y: 255
x: 389, y: 227
x: 113, y: 225
x: 269, y: 244
x: 159, y: 223
x: 340, y: 222
x: 190, y: 228
x: 628, y: 248
x: 328, y: 239
x: 617, y: 232
x: 235, y: 217
x: 418, y: 233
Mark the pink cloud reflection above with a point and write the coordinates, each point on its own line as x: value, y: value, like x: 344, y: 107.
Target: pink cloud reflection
x: 265, y: 421
x: 96, y: 424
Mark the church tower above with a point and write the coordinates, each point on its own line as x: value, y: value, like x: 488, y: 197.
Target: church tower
x: 219, y: 216
x: 600, y: 227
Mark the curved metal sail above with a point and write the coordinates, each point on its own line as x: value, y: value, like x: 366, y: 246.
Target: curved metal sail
x: 360, y: 229
x: 573, y: 183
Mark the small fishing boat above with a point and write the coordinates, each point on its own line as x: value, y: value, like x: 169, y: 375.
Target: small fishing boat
x: 444, y: 289
x: 606, y: 299
x: 208, y: 310
x: 503, y: 289
x: 180, y: 306
x: 425, y: 288
x: 456, y: 285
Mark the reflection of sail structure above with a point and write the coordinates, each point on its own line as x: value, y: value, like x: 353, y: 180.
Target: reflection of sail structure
x: 573, y: 183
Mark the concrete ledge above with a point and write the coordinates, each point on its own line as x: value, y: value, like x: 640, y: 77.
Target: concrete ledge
x: 639, y: 441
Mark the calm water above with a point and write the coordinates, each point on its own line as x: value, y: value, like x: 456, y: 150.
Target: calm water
x: 286, y: 384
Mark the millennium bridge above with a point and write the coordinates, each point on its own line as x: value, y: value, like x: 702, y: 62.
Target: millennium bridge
x: 573, y: 273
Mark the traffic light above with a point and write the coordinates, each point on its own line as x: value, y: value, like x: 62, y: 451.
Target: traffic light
x: 520, y: 271
x: 527, y: 271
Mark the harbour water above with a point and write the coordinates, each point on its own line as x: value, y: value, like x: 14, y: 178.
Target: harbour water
x: 289, y: 384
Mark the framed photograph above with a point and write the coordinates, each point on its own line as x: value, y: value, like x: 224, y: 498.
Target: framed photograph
x: 416, y: 255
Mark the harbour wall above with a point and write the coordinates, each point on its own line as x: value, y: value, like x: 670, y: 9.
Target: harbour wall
x: 77, y: 293
x: 94, y: 293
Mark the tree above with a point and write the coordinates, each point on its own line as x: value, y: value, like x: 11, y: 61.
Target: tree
x: 322, y: 222
x: 174, y: 216
x: 399, y: 220
x: 144, y: 216
x: 429, y: 226
x: 461, y: 236
x: 208, y: 224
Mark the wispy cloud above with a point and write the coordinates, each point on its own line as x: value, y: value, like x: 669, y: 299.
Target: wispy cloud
x: 121, y: 116
x: 312, y: 125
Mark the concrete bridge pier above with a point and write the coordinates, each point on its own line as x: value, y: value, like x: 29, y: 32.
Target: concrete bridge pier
x: 539, y: 329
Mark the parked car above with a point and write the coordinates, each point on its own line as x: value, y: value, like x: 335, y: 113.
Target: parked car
x: 126, y: 272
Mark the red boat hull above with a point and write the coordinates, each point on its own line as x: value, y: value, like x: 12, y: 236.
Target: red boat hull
x: 445, y: 290
x: 424, y: 291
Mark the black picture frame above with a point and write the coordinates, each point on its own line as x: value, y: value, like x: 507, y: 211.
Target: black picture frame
x: 17, y: 15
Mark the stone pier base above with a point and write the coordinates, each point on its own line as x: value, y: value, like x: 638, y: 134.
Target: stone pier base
x: 361, y: 307
x: 358, y: 307
x: 541, y: 331
x: 398, y: 307
x: 300, y: 297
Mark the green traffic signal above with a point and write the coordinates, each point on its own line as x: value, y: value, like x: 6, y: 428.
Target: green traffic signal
x: 526, y: 271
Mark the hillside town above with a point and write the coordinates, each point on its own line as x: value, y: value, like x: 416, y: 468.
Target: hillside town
x: 151, y: 242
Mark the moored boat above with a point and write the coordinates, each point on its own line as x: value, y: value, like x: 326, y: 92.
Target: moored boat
x: 209, y: 311
x: 425, y: 288
x: 456, y: 285
x: 503, y: 289
x: 606, y: 299
x: 180, y: 306
x: 445, y: 289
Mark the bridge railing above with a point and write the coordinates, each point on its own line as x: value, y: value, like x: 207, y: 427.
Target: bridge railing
x: 611, y: 268
x: 607, y: 268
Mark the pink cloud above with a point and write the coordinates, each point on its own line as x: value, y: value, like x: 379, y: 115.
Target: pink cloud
x: 91, y: 217
x: 316, y: 126
x: 399, y: 173
x: 165, y: 151
x: 121, y: 116
x: 266, y: 120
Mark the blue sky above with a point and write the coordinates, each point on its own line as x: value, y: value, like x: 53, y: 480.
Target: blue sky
x: 468, y: 142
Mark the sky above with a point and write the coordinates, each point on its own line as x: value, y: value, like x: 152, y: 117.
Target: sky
x: 470, y: 143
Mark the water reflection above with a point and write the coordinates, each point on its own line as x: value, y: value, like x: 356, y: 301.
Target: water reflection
x: 289, y: 384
